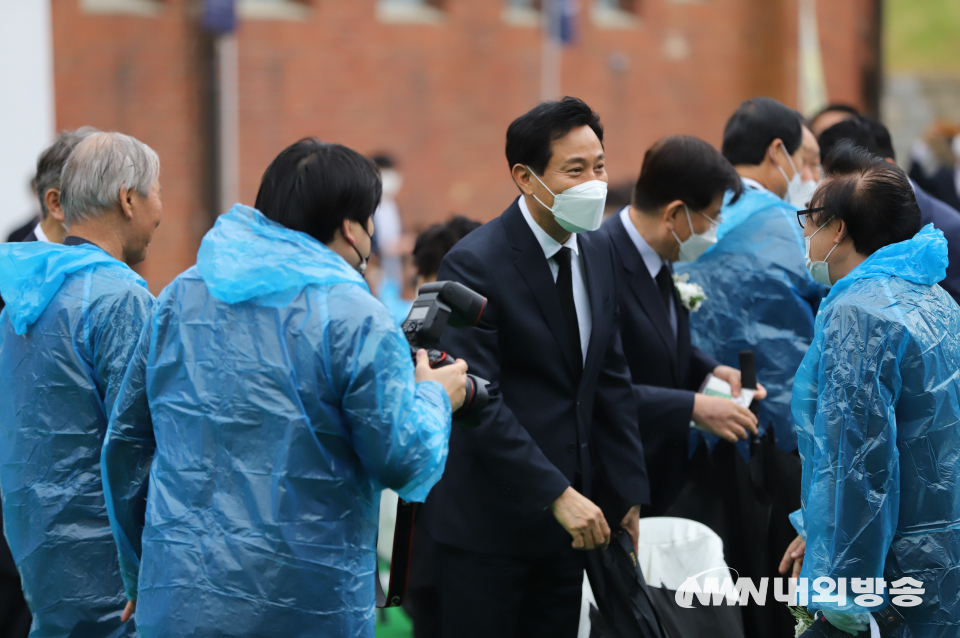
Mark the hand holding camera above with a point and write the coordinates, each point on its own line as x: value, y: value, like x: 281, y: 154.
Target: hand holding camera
x: 439, y: 304
x: 453, y: 377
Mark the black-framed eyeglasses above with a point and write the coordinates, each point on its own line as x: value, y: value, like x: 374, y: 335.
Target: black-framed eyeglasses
x: 804, y: 215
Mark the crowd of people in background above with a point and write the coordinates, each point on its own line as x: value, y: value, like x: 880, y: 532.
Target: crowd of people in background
x: 210, y: 461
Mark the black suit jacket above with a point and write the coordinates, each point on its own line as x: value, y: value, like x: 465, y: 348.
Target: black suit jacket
x: 546, y: 423
x: 942, y: 184
x: 665, y: 369
x: 947, y: 220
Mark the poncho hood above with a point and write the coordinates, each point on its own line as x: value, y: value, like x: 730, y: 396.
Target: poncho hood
x: 31, y: 273
x: 921, y: 259
x: 246, y: 256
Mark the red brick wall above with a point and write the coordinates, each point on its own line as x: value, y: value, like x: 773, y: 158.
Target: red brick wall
x: 437, y: 97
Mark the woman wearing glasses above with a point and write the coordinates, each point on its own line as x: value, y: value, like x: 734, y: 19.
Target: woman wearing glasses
x: 877, y: 406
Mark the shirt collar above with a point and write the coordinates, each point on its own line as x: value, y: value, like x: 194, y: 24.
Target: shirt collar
x: 651, y: 259
x: 749, y: 181
x: 549, y: 245
x: 41, y: 236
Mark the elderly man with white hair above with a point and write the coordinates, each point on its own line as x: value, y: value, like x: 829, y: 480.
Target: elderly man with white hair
x: 73, y: 316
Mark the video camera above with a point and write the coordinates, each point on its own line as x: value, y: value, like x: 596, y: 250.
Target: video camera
x: 440, y: 304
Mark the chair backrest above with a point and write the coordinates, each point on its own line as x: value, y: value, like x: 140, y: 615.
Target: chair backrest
x: 674, y: 549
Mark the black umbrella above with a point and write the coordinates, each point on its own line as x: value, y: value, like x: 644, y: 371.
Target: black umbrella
x: 626, y: 610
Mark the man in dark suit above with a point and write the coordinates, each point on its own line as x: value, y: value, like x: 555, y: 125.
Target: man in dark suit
x: 872, y: 135
x: 677, y: 202
x: 520, y: 497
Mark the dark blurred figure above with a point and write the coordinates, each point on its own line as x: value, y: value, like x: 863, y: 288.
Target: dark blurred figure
x: 435, y: 242
x: 830, y: 115
x: 422, y: 602
x: 20, y: 233
x: 945, y: 182
x: 872, y: 135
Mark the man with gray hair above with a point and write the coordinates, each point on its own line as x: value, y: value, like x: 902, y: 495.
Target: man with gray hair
x: 74, y: 314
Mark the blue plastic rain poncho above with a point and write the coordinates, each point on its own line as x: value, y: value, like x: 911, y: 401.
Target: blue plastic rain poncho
x: 877, y: 407
x: 760, y: 297
x: 283, y: 401
x: 71, y: 323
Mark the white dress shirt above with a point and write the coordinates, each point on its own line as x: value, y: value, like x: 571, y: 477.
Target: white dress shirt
x: 550, y: 248
x: 651, y: 259
x: 41, y: 236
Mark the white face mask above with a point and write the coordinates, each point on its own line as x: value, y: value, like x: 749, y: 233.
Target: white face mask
x: 819, y: 270
x: 804, y: 194
x: 795, y: 193
x: 580, y: 208
x: 696, y: 245
x: 955, y: 147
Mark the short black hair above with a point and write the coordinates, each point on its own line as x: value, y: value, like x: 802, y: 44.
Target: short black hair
x: 854, y: 130
x: 881, y: 136
x: 872, y: 196
x: 530, y: 137
x: 865, y: 132
x: 384, y: 160
x: 685, y: 168
x: 312, y: 187
x: 754, y: 126
x: 435, y: 242
x: 837, y: 107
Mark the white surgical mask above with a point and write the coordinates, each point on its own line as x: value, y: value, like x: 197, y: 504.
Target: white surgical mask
x: 801, y: 197
x: 819, y: 270
x: 580, y: 208
x: 795, y: 190
x: 696, y: 245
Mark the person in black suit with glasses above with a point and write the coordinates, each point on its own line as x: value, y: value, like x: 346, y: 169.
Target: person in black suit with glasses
x: 556, y: 464
x: 675, y: 211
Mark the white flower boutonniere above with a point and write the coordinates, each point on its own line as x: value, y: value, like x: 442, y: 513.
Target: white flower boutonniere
x: 691, y: 295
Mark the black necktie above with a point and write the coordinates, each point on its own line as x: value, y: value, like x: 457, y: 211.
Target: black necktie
x: 665, y: 284
x: 567, y: 307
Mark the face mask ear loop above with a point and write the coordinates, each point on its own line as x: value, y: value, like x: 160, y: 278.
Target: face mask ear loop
x: 362, y: 266
x: 790, y: 159
x: 783, y: 173
x: 833, y: 249
x: 689, y: 221
x: 549, y: 208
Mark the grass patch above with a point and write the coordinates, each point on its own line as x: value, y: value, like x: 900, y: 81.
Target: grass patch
x: 922, y: 36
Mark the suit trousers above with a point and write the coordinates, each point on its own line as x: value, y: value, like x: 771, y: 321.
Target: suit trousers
x: 490, y: 595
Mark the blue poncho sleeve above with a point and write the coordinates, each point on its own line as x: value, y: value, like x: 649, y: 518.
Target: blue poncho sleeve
x: 400, y: 430
x: 125, y: 462
x: 851, y: 485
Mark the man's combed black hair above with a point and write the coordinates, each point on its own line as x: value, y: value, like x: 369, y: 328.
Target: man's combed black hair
x: 530, y: 137
x: 685, y: 168
x: 313, y: 187
x: 753, y: 127
x: 435, y: 242
x: 864, y: 132
x: 872, y: 196
x: 836, y: 107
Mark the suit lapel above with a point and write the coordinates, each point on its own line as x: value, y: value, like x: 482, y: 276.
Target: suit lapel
x: 535, y: 271
x: 599, y: 335
x: 645, y: 290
